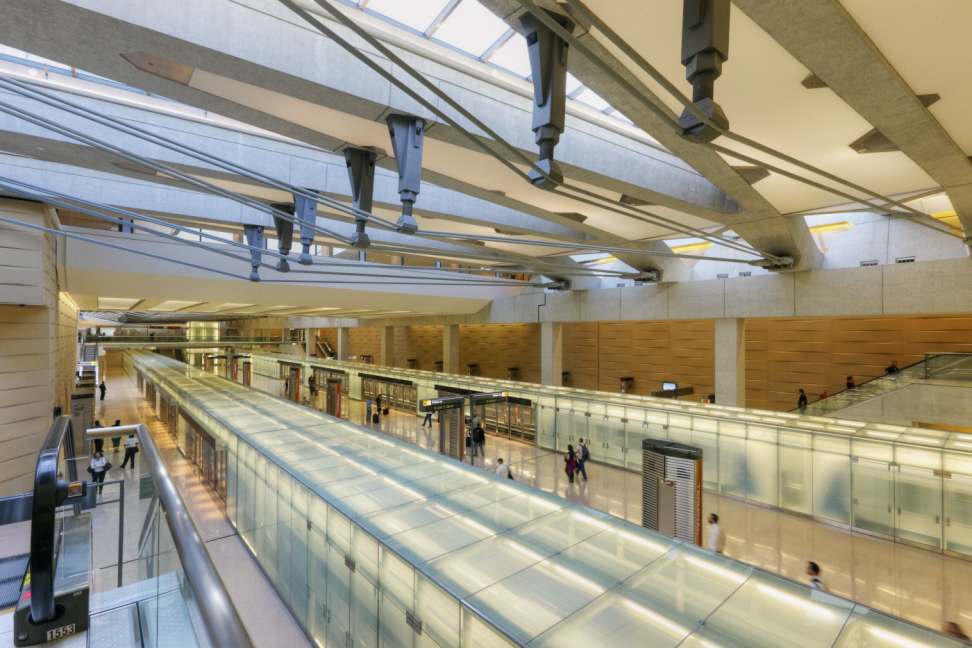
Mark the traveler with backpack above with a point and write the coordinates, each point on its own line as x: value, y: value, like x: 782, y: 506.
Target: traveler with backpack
x: 478, y: 439
x: 583, y: 454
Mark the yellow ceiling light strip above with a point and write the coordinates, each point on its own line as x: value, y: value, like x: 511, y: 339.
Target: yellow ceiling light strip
x: 950, y: 218
x: 692, y: 247
x: 609, y: 259
x: 832, y: 227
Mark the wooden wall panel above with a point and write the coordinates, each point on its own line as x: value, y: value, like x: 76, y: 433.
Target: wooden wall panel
x: 423, y: 343
x: 785, y: 355
x: 496, y: 347
x: 580, y: 354
x: 655, y: 352
x: 365, y: 341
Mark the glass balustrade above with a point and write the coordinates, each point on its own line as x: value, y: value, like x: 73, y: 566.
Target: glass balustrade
x: 881, y: 478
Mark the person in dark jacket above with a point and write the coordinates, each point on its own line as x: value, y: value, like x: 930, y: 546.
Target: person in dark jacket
x: 99, y: 444
x: 850, y: 382
x: 893, y: 368
x: 570, y: 463
x: 802, y: 401
x: 478, y: 439
x: 102, y: 388
x: 116, y: 441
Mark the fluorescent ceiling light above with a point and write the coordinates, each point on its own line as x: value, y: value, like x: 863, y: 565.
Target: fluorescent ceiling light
x: 219, y: 308
x: 172, y: 306
x: 116, y: 303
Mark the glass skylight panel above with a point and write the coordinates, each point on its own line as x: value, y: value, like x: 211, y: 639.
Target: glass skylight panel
x: 513, y: 56
x: 471, y: 28
x: 417, y: 14
x: 572, y: 83
x: 590, y: 98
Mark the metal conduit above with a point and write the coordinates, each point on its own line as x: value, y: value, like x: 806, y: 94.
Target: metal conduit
x: 468, y: 135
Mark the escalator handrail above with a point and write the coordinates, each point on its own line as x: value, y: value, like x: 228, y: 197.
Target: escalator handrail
x: 43, y: 526
x: 224, y: 626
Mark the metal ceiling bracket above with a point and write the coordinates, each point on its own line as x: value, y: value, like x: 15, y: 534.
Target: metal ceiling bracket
x: 705, y: 46
x: 254, y: 238
x: 305, y: 209
x: 285, y: 233
x: 776, y: 263
x: 361, y: 172
x: 407, y: 137
x: 548, y: 66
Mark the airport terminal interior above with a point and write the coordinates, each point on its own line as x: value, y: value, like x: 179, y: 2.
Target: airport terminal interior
x: 485, y: 324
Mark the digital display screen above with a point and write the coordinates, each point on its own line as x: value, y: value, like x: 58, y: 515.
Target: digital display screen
x: 667, y: 386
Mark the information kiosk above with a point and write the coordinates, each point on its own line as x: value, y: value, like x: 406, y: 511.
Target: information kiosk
x: 451, y: 418
x: 237, y: 361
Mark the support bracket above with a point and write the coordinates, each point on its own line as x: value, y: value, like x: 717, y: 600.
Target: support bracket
x: 548, y: 66
x: 254, y: 238
x: 705, y: 46
x: 361, y: 172
x: 285, y: 233
x: 407, y: 138
x: 306, y: 210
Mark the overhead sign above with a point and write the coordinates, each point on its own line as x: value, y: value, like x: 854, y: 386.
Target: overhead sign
x: 488, y: 399
x: 440, y: 404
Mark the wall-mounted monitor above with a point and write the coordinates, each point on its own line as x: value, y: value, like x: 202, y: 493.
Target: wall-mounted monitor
x: 669, y: 386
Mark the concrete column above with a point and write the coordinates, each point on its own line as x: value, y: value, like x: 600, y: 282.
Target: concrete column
x: 730, y: 361
x: 343, y: 343
x: 450, y: 348
x: 551, y: 353
x: 310, y: 340
x: 388, y: 346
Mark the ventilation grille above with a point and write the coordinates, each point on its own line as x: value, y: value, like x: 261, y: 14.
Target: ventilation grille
x: 869, y: 263
x: 652, y: 469
x: 681, y: 472
x: 748, y: 273
x: 722, y: 276
x: 905, y: 260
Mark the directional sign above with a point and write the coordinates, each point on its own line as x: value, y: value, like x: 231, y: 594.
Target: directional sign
x: 488, y: 399
x: 440, y: 404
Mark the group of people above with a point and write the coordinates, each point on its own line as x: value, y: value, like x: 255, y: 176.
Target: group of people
x: 849, y: 384
x: 575, y: 460
x: 100, y: 465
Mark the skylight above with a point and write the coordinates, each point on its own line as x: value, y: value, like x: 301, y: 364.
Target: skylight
x: 513, y: 56
x: 417, y: 14
x: 471, y: 28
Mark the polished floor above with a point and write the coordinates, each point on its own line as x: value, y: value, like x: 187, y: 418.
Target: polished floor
x: 917, y: 584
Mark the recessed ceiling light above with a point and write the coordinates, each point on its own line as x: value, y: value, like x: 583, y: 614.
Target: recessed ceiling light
x: 172, y: 306
x: 116, y: 303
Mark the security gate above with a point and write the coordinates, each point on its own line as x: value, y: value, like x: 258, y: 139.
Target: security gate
x: 671, y: 487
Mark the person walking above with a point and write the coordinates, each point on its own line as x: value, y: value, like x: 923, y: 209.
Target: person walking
x: 99, y: 468
x: 802, y: 401
x: 368, y: 404
x: 813, y: 571
x: 116, y: 441
x: 428, y: 419
x: 570, y: 463
x: 717, y: 537
x: 850, y: 382
x: 478, y: 439
x: 131, y: 447
x: 475, y: 422
x: 823, y: 394
x: 503, y: 470
x: 99, y: 444
x: 583, y: 454
x: 102, y: 388
x: 952, y: 629
x: 893, y: 368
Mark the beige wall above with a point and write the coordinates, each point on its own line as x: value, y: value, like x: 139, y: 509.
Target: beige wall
x: 497, y: 347
x: 38, y: 343
x: 423, y: 343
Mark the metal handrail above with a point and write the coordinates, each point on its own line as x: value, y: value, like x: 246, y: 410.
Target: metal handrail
x: 49, y: 493
x: 223, y: 623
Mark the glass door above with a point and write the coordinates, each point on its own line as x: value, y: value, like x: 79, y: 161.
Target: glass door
x: 523, y: 426
x: 338, y: 599
x: 918, y: 496
x: 548, y: 426
x: 317, y: 626
x: 958, y: 514
x: 503, y: 419
x: 873, y: 496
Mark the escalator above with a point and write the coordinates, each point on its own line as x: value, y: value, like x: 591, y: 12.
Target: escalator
x: 168, y: 596
x: 324, y: 349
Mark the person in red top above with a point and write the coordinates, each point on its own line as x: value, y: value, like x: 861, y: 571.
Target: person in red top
x: 570, y: 463
x: 850, y: 382
x: 823, y: 394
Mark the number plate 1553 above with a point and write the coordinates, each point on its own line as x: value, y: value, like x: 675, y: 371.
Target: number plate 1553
x: 63, y: 631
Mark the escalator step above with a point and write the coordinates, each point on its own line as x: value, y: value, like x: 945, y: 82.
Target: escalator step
x: 12, y: 571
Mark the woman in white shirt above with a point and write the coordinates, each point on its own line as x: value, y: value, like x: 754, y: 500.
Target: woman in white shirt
x: 99, y: 468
